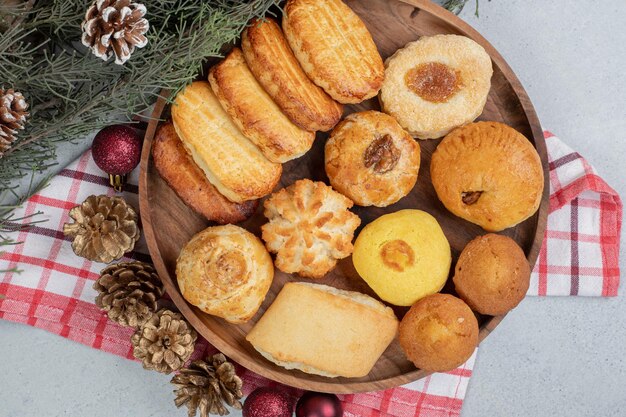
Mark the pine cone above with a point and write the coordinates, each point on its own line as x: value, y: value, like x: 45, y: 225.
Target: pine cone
x: 128, y: 292
x: 13, y: 116
x: 105, y: 228
x: 115, y: 27
x: 206, y: 385
x: 164, y: 342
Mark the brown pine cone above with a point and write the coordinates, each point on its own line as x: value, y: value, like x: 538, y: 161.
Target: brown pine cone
x: 164, y: 342
x: 13, y: 116
x: 128, y: 292
x: 115, y: 27
x: 206, y: 385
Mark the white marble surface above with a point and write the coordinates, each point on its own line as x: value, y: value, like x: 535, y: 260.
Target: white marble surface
x: 551, y: 356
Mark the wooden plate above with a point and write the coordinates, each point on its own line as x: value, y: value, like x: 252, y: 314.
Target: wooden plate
x: 168, y: 224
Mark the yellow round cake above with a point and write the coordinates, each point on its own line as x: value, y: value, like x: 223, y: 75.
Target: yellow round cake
x: 403, y: 256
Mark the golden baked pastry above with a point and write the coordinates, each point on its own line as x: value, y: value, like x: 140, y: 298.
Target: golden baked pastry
x: 309, y: 228
x: 276, y: 68
x: 403, y: 256
x: 233, y: 164
x: 371, y: 159
x: 254, y: 112
x: 492, y: 274
x: 324, y: 331
x: 225, y: 271
x: 489, y: 174
x: 436, y: 83
x: 334, y: 48
x: 189, y: 182
x: 439, y: 333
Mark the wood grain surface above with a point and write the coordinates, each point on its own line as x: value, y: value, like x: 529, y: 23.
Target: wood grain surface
x: 168, y: 224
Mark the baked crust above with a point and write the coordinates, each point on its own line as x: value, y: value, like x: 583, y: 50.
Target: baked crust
x: 254, y: 112
x: 309, y: 228
x: 492, y: 274
x: 334, y: 48
x: 233, y: 164
x: 489, y: 174
x: 276, y: 68
x: 425, y: 119
x: 188, y: 181
x: 370, y: 159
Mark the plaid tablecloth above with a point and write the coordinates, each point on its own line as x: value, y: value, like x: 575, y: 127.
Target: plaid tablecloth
x: 54, y: 291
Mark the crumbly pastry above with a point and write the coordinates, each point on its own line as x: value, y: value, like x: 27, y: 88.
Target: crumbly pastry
x: 439, y: 333
x: 233, y: 164
x: 323, y: 330
x: 276, y: 68
x: 436, y: 83
x: 188, y: 181
x: 309, y: 229
x: 254, y: 112
x: 492, y: 274
x: 371, y: 159
x: 489, y: 174
x: 334, y: 48
x: 225, y: 271
x: 403, y: 256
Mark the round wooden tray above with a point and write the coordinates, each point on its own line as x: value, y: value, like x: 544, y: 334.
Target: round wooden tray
x: 168, y: 224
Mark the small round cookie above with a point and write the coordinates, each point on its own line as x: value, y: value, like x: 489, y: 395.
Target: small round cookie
x: 439, y: 333
x: 309, y: 228
x: 492, y: 274
x: 436, y: 83
x: 489, y: 174
x: 403, y: 256
x: 371, y: 159
x: 225, y: 271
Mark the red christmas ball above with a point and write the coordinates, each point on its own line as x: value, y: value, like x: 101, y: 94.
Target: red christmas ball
x: 317, y: 404
x: 267, y: 402
x: 116, y: 149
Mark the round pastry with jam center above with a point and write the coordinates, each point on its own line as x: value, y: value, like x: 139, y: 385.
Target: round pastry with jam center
x: 403, y: 256
x: 436, y: 83
x: 371, y: 159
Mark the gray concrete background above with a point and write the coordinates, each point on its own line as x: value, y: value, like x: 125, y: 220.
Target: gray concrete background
x: 551, y: 356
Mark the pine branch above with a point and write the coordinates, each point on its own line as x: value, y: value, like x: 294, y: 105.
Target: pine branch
x: 456, y: 6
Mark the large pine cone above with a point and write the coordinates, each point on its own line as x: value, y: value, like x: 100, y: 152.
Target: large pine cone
x: 115, y: 27
x: 164, y: 342
x: 13, y: 116
x: 105, y: 228
x: 128, y: 292
x: 206, y: 385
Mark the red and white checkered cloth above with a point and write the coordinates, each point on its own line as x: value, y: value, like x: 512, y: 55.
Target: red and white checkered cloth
x: 54, y: 291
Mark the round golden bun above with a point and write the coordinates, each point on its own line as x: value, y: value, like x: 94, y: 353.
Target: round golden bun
x: 439, y: 333
x: 403, y: 256
x: 225, y: 271
x: 436, y: 83
x: 371, y: 159
x: 492, y: 275
x: 489, y: 174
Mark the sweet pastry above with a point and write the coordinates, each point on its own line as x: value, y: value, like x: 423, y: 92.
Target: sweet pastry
x: 403, y: 256
x: 334, y: 48
x: 225, y: 271
x: 324, y: 331
x: 309, y: 228
x: 188, y: 181
x: 489, y: 174
x: 436, y: 83
x: 276, y: 68
x: 371, y: 159
x: 233, y: 164
x: 254, y: 112
x: 439, y: 333
x: 492, y: 274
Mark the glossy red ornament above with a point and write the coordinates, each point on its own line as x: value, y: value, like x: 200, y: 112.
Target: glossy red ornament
x: 267, y: 402
x: 317, y: 404
x: 117, y: 150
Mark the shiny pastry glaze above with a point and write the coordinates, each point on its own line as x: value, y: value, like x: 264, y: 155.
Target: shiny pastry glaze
x: 433, y: 81
x: 397, y: 255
